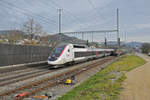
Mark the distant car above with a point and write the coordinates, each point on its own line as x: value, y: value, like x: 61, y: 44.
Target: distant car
x: 149, y: 54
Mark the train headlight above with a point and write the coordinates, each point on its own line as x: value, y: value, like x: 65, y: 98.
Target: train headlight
x: 51, y: 58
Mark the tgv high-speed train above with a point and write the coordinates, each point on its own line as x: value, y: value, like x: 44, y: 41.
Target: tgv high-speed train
x: 69, y: 53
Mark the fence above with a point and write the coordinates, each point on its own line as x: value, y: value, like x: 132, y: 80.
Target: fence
x: 19, y: 54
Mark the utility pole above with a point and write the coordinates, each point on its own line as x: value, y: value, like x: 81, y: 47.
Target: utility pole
x: 92, y: 36
x: 125, y: 38
x: 59, y: 18
x: 105, y: 42
x: 118, y: 39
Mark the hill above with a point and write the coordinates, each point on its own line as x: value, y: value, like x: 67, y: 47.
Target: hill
x: 46, y: 39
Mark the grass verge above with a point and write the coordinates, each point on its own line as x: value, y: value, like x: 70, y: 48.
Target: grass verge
x: 106, y: 84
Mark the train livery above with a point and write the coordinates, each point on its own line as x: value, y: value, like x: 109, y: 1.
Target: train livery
x: 70, y: 53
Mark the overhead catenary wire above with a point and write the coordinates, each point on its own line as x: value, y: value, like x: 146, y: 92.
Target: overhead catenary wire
x: 44, y: 5
x: 91, y: 3
x: 75, y: 17
x: 67, y: 11
x: 93, y: 6
x: 56, y: 6
x: 18, y: 24
x: 24, y: 11
x: 6, y: 11
x: 43, y: 18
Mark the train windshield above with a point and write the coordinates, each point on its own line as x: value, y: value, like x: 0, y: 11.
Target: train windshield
x: 57, y: 51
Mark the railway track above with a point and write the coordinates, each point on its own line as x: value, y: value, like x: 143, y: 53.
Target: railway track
x: 22, y: 67
x: 14, y: 76
x: 17, y: 72
x: 21, y: 75
x: 37, y: 86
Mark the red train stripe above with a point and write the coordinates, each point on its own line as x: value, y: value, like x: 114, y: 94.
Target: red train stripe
x: 62, y: 52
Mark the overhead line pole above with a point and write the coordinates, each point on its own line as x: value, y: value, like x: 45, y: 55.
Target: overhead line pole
x: 59, y: 30
x: 118, y: 39
x: 92, y: 36
x: 105, y: 42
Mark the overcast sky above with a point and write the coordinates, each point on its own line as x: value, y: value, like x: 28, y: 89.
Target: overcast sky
x: 81, y: 15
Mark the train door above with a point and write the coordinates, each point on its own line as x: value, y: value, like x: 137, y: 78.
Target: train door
x: 70, y: 53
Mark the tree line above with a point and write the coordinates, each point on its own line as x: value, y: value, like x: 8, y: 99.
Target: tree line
x: 145, y: 47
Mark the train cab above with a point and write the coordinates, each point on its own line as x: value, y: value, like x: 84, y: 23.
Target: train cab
x: 55, y: 54
x: 60, y: 55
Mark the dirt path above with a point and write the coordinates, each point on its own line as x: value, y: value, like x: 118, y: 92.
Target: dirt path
x: 137, y: 84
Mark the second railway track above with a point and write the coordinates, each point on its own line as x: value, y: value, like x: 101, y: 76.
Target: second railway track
x: 19, y: 68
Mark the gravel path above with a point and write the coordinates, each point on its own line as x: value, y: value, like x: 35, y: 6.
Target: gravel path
x: 137, y: 84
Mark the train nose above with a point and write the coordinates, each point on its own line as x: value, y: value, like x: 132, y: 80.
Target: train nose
x: 52, y: 58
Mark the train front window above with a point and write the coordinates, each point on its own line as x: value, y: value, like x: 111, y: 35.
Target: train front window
x: 57, y: 51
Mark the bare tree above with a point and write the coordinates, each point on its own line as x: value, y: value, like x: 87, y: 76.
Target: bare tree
x: 32, y: 28
x: 39, y: 29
